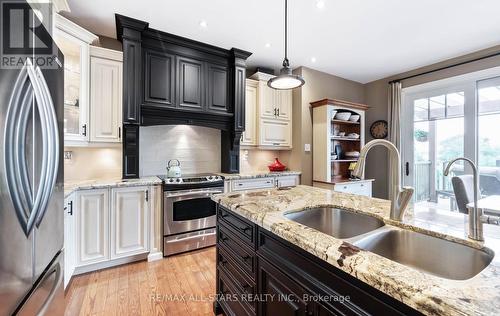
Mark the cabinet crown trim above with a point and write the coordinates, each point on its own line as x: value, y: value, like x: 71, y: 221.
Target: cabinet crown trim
x: 337, y: 102
x: 74, y: 29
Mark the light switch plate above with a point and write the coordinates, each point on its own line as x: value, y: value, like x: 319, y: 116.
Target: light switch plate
x: 307, y: 147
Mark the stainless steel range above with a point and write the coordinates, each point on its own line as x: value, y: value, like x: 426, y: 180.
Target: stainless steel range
x: 188, y: 212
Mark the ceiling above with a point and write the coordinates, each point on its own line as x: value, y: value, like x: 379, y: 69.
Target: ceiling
x: 358, y: 40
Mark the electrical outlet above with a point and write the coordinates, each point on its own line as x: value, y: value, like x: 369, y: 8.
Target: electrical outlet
x: 307, y: 147
x: 68, y: 155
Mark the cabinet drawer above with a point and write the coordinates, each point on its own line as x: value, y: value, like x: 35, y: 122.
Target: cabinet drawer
x: 244, y: 257
x: 242, y: 228
x: 289, y: 181
x: 231, y: 299
x: 243, y: 283
x: 252, y: 184
x: 360, y: 188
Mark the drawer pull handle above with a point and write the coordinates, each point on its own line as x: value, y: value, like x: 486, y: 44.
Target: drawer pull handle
x: 240, y: 184
x: 224, y: 215
x: 244, y: 229
x: 245, y: 258
x: 345, y: 187
x: 222, y: 238
x: 223, y: 262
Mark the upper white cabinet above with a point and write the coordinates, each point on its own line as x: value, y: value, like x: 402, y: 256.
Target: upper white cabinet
x: 129, y: 221
x: 105, y: 95
x: 249, y: 137
x: 74, y: 42
x: 272, y: 114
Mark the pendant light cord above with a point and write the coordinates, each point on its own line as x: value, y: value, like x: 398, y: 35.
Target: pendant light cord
x: 285, y: 61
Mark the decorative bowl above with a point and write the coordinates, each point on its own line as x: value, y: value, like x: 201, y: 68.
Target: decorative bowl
x: 353, y: 135
x: 354, y: 118
x: 343, y: 116
x: 276, y: 166
x: 334, y: 112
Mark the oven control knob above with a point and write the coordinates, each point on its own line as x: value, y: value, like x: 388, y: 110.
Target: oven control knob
x: 210, y: 178
x: 178, y: 180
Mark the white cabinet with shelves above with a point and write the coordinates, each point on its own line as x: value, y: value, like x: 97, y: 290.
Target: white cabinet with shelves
x: 74, y: 42
x: 105, y: 95
x: 129, y: 221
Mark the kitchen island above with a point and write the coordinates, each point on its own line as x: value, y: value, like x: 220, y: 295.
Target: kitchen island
x: 274, y: 253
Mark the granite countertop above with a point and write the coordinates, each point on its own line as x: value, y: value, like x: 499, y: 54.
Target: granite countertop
x: 424, y: 292
x: 70, y: 187
x: 258, y: 174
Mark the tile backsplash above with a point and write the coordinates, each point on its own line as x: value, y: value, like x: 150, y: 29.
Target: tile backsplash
x: 197, y: 148
x: 89, y: 163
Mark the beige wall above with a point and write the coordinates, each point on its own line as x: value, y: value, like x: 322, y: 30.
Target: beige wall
x: 319, y: 85
x: 93, y: 164
x: 376, y: 96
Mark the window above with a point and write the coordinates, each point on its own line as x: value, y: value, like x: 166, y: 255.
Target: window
x: 449, y: 119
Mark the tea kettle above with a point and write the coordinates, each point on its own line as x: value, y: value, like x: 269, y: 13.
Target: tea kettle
x: 173, y: 168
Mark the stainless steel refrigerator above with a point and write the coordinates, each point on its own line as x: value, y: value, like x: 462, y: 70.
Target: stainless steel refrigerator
x: 31, y: 188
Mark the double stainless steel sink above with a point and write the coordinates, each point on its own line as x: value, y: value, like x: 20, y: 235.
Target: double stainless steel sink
x: 433, y: 255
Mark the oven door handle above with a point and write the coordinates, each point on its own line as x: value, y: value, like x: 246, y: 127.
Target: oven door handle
x: 192, y: 193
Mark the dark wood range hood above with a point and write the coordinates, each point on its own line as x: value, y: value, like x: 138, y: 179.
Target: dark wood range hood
x: 172, y: 80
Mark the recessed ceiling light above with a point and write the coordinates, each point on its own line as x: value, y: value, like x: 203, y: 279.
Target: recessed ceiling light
x: 313, y: 59
x: 268, y: 45
x: 203, y: 23
x: 320, y: 4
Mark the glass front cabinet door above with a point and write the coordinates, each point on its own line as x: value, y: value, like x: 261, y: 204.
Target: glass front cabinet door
x: 74, y: 42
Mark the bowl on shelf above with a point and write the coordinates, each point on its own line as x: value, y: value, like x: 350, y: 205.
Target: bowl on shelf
x: 334, y: 157
x: 334, y: 112
x: 354, y: 118
x: 353, y: 135
x: 352, y: 154
x: 343, y: 116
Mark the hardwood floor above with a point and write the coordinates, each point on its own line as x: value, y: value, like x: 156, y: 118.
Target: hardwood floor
x: 147, y: 288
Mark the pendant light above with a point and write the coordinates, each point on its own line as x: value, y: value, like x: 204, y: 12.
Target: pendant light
x: 286, y: 79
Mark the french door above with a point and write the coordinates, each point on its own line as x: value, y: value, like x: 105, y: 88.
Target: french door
x: 445, y: 120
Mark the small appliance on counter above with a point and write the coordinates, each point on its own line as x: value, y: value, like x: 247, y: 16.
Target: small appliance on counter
x: 276, y: 166
x: 174, y: 170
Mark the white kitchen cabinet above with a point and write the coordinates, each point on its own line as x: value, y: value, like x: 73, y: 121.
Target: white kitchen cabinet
x: 130, y: 212
x: 261, y: 183
x: 252, y: 184
x: 284, y: 104
x: 362, y: 187
x: 249, y: 136
x: 69, y: 239
x: 274, y: 117
x: 92, y: 226
x: 287, y: 181
x: 74, y: 42
x: 275, y: 134
x: 105, y: 95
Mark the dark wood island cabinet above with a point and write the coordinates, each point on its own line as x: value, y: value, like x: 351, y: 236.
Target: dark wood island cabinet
x: 259, y: 273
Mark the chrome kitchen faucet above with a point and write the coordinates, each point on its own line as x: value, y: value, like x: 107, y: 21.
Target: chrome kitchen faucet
x: 400, y: 196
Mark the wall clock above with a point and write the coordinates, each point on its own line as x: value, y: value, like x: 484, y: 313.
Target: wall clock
x: 379, y: 129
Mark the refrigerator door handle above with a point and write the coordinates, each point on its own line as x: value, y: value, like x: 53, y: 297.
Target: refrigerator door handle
x: 30, y: 206
x: 52, y: 146
x: 16, y: 170
x: 33, y: 304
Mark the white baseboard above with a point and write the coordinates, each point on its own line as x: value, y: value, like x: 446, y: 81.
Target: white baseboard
x: 155, y: 256
x: 109, y: 264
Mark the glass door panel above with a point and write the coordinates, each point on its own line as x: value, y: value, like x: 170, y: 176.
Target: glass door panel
x: 488, y: 145
x: 437, y: 137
